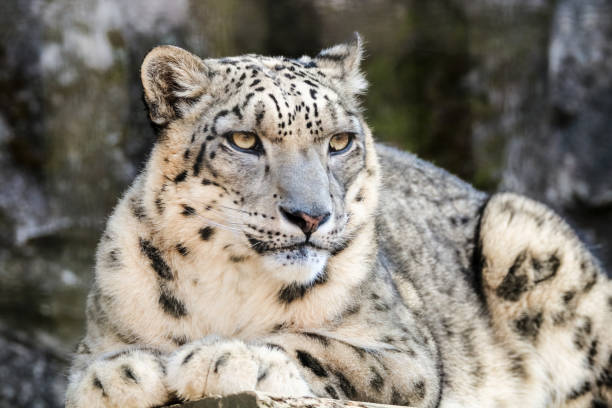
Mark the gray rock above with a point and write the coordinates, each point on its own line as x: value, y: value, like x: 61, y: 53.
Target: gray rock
x: 565, y: 158
x: 32, y: 374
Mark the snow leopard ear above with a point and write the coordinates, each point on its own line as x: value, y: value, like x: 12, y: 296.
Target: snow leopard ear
x: 342, y: 62
x: 173, y: 81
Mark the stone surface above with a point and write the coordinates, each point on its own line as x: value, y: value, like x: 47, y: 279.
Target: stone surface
x: 563, y: 152
x: 261, y: 400
x: 32, y: 371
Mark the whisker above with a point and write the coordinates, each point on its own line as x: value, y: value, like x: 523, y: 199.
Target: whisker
x: 222, y: 226
x: 233, y: 209
x: 213, y: 223
x: 223, y: 214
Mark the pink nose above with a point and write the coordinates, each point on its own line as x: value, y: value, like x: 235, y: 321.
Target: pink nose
x: 307, y: 222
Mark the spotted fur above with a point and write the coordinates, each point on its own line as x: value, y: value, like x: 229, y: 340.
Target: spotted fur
x: 412, y: 289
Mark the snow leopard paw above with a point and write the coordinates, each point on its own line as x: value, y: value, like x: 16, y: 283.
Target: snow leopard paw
x: 214, y: 366
x: 132, y: 378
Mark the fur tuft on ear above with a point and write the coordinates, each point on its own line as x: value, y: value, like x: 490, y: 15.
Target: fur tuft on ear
x: 173, y: 80
x: 343, y: 61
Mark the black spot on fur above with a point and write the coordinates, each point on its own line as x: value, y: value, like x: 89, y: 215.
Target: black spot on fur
x: 262, y: 376
x: 128, y: 373
x: 112, y: 258
x: 159, y: 205
x: 560, y: 318
x: 259, y: 117
x: 582, y: 334
x: 179, y: 340
x: 247, y: 98
x: 197, y: 165
x: 605, y: 378
x: 448, y: 327
x: 592, y: 353
x: 529, y: 325
x: 236, y: 111
x: 238, y: 258
x: 331, y: 391
x: 591, y: 281
x: 382, y: 306
x: 397, y: 399
x: 221, y: 361
x: 295, y: 291
x: 280, y: 115
x: 219, y: 115
x: 580, y: 391
x: 187, y: 210
x: 517, y: 364
x: 279, y: 327
x: 419, y: 389
x: 513, y: 285
x: 376, y: 382
x: 331, y: 57
x: 345, y: 385
x: 182, y: 250
x: 321, y: 339
x: 82, y: 348
x: 273, y: 346
x: 545, y: 269
x: 308, y: 361
x: 181, y: 176
x: 98, y: 384
x: 351, y: 310
x: 257, y: 245
x: 188, y: 357
x: 568, y: 296
x: 156, y: 261
x: 137, y: 208
x: 171, y: 305
x: 206, y: 233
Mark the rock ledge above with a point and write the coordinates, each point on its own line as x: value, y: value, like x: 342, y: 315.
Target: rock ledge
x: 261, y: 400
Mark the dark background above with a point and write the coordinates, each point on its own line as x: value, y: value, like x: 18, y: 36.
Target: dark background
x: 507, y: 94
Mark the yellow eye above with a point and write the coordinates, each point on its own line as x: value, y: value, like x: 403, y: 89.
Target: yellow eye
x: 340, y: 142
x: 243, y: 140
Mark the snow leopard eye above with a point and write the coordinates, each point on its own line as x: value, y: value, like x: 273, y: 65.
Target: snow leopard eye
x: 247, y: 142
x: 340, y: 142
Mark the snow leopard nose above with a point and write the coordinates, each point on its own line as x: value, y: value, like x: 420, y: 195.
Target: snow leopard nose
x: 308, y: 223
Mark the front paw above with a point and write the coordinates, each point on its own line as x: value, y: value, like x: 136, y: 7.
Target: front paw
x: 129, y: 379
x: 220, y: 367
x: 211, y: 367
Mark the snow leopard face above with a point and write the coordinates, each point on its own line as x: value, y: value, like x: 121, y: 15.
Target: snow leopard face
x: 270, y: 157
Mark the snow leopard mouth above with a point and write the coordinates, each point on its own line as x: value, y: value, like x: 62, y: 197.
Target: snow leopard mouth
x: 263, y: 247
x: 300, y: 248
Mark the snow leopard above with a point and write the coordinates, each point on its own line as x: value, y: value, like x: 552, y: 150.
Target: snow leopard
x: 271, y: 245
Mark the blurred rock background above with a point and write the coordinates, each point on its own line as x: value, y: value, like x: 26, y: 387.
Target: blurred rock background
x: 508, y: 94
